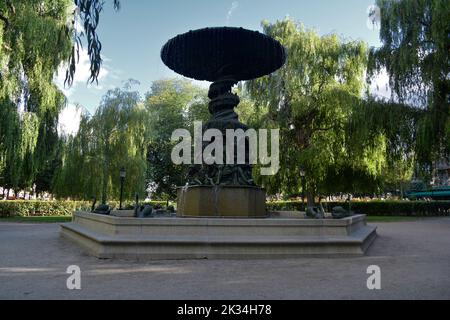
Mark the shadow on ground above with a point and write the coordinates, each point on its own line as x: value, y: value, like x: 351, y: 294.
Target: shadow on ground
x: 413, y: 256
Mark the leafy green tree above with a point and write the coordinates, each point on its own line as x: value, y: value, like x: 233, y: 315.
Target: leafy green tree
x: 171, y: 104
x: 112, y: 125
x: 114, y: 137
x: 312, y: 99
x: 397, y: 127
x: 36, y: 37
x: 45, y: 177
x: 415, y: 54
x: 126, y: 132
x: 29, y: 101
x: 78, y: 175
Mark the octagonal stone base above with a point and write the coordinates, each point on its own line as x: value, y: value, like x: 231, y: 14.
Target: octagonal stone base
x: 221, y: 202
x: 199, y: 238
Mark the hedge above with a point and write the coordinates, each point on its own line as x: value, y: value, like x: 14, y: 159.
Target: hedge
x: 376, y: 208
x: 30, y: 208
x: 371, y: 208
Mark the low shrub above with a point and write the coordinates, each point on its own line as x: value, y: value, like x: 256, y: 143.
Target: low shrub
x: 34, y: 208
x: 29, y: 208
x: 375, y: 208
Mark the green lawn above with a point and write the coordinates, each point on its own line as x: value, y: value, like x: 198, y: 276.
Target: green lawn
x: 56, y: 219
x: 390, y: 219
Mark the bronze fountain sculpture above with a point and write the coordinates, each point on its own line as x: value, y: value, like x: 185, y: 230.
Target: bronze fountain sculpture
x: 223, y: 56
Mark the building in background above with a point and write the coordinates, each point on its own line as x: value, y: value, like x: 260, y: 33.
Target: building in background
x: 441, y: 174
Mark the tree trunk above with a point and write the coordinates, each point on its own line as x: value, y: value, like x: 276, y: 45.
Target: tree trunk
x: 104, y: 183
x: 105, y: 174
x: 310, y: 198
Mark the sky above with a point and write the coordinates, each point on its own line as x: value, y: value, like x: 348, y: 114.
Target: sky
x: 133, y: 37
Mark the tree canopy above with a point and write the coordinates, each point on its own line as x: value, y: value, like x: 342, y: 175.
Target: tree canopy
x: 331, y: 126
x: 36, y: 38
x: 171, y: 104
x: 127, y: 132
x: 114, y: 137
x: 312, y: 99
x: 33, y: 43
x: 415, y: 53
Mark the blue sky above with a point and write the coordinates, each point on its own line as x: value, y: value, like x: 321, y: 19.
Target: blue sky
x: 132, y: 38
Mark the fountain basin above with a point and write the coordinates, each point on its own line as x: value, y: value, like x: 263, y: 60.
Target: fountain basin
x: 211, y: 238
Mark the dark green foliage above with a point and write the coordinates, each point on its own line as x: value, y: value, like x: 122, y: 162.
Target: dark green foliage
x: 375, y: 208
x: 312, y: 99
x: 41, y: 208
x: 36, y: 38
x: 34, y: 41
x: 371, y: 208
x: 114, y: 137
x: 415, y: 53
x: 171, y: 104
x: 55, y: 208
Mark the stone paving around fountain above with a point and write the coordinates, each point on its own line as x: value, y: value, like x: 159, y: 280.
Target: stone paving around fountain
x: 414, y: 258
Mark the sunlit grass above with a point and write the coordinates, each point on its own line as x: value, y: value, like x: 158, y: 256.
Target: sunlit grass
x: 390, y: 219
x: 53, y: 219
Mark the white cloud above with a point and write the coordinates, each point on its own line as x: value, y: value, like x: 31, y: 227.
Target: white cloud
x: 381, y: 88
x: 78, y: 24
x: 380, y: 85
x: 82, y: 74
x: 69, y: 120
x: 233, y: 8
x: 373, y: 18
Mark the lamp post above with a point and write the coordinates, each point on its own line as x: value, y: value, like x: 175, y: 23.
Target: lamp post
x: 122, y: 179
x: 302, y: 175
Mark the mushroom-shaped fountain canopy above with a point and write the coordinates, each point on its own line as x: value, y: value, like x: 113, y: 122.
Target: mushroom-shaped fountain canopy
x: 214, y: 53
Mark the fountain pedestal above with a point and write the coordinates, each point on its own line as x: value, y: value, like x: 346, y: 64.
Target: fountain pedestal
x: 221, y: 202
x: 228, y: 190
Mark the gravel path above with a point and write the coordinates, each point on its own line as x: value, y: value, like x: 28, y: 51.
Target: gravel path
x: 414, y: 258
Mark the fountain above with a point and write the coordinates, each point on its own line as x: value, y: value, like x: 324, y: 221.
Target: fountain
x: 218, y: 206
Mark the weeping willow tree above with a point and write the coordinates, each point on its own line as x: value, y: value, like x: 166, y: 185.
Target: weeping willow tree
x: 394, y: 128
x: 415, y: 53
x: 312, y: 99
x: 126, y: 132
x: 114, y: 137
x: 36, y: 37
x: 33, y: 43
